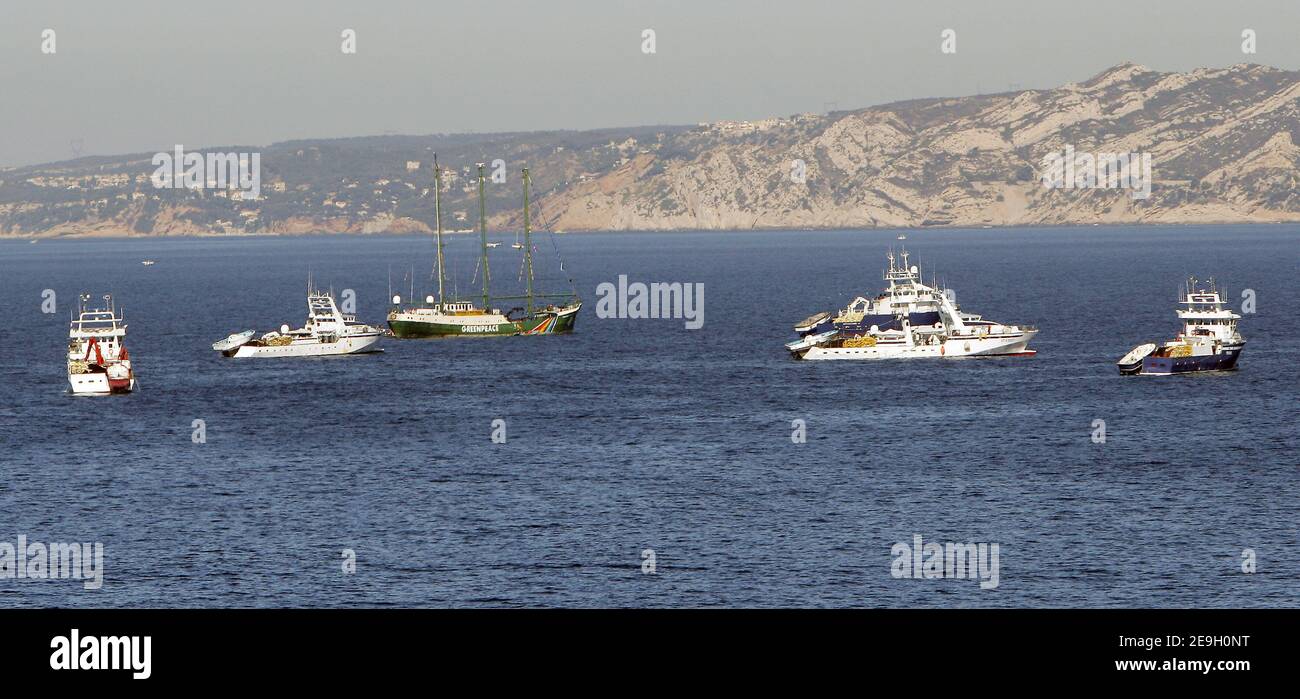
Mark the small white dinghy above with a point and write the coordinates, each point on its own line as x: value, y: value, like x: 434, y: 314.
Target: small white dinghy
x: 1131, y: 363
x: 811, y: 322
x: 808, y: 341
x: 233, y: 341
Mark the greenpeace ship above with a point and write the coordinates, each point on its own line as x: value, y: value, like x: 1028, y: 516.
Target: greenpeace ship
x: 1209, y: 340
x: 98, y: 363
x: 908, y: 319
x: 444, y: 317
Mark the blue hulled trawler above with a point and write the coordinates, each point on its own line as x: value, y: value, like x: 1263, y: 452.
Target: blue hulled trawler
x: 1209, y: 340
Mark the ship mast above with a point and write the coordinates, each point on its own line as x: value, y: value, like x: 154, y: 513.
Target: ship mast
x: 482, y: 230
x: 437, y: 212
x: 528, y: 243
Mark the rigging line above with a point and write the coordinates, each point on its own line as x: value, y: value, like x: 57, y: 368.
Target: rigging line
x: 555, y: 248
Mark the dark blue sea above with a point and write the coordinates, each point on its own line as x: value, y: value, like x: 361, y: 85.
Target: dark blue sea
x: 640, y: 434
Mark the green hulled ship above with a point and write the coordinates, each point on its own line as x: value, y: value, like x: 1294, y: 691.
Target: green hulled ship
x: 444, y: 317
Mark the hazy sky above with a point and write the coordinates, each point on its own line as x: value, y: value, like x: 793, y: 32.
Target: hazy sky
x: 143, y: 75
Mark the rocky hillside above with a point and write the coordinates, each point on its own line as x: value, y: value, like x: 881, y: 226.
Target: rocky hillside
x: 1222, y: 144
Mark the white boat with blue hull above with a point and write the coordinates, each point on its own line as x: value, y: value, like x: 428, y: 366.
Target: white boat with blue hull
x: 909, y: 319
x: 1209, y: 340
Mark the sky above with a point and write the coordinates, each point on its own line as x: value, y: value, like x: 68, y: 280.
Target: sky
x: 143, y: 75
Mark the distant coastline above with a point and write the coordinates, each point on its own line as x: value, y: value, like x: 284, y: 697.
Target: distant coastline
x: 1216, y: 144
x: 502, y: 234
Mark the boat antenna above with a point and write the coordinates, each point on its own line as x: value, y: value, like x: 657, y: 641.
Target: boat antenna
x: 482, y: 232
x: 390, y: 281
x: 437, y: 214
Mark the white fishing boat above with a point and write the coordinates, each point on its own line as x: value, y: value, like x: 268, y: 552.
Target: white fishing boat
x: 327, y: 332
x: 148, y: 263
x: 98, y: 363
x: 909, y: 319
